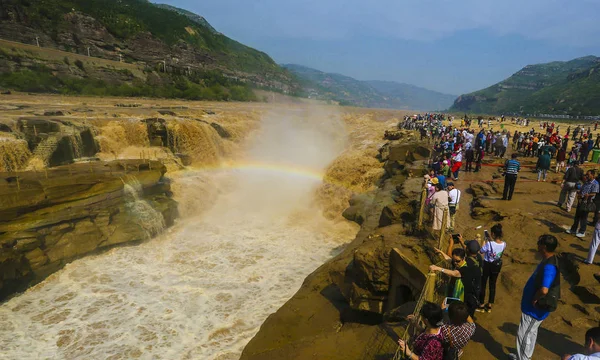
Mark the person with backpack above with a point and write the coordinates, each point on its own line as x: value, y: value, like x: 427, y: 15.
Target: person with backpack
x: 429, y: 344
x: 467, y: 271
x: 543, y: 165
x: 458, y: 331
x: 540, y: 297
x: 592, y: 346
x: 492, y: 251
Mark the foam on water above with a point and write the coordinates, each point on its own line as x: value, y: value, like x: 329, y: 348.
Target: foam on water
x: 201, y: 290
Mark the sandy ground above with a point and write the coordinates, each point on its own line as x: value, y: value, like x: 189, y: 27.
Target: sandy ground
x: 531, y: 213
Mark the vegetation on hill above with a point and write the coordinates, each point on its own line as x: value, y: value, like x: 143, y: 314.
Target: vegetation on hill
x: 126, y: 18
x: 375, y: 94
x: 194, y: 17
x: 561, y: 88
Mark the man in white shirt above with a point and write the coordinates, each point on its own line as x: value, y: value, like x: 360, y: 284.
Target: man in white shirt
x: 592, y: 346
x: 453, y: 200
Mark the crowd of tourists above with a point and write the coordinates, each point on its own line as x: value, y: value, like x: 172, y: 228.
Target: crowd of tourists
x: 476, y: 264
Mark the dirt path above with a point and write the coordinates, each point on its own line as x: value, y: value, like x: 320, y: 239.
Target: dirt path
x: 531, y: 213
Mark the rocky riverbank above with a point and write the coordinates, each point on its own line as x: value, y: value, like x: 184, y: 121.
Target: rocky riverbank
x: 50, y: 217
x: 349, y: 307
x: 333, y: 313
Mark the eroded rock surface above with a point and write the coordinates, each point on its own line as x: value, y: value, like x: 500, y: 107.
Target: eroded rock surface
x: 48, y: 218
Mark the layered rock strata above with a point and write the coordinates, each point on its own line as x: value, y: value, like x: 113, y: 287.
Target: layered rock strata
x: 48, y: 218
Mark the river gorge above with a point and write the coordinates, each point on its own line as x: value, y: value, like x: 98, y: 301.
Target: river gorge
x: 259, y: 211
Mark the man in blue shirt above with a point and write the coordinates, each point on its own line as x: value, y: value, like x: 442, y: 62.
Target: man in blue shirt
x: 588, y: 191
x: 511, y: 169
x: 592, y: 346
x: 540, y: 297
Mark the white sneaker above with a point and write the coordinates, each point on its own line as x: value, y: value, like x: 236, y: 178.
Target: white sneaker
x: 580, y: 235
x: 568, y: 231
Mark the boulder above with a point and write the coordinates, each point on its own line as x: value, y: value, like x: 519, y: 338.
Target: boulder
x: 167, y: 112
x: 395, y: 214
x: 55, y: 113
x: 221, y: 131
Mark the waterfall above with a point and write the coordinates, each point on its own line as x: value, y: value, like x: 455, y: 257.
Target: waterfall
x: 148, y: 218
x: 13, y: 154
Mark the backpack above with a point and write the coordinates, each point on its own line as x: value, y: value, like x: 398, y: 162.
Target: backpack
x: 549, y: 302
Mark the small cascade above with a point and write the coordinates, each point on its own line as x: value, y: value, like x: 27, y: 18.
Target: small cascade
x: 76, y: 144
x: 197, y: 139
x: 14, y: 154
x: 151, y: 220
x: 45, y: 149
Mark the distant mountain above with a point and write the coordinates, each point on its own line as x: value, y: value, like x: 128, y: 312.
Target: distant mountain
x: 190, y: 15
x: 560, y: 87
x: 374, y: 94
x: 418, y: 98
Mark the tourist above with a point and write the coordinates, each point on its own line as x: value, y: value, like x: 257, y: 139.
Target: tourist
x: 561, y: 156
x: 429, y: 344
x: 543, y: 165
x: 569, y: 186
x: 467, y: 273
x: 592, y: 346
x: 586, y: 195
x: 479, y: 158
x: 453, y: 203
x: 492, y: 251
x: 469, y: 157
x: 540, y: 297
x: 595, y: 239
x: 457, y: 163
x: 439, y: 202
x: 511, y: 169
x: 459, y: 330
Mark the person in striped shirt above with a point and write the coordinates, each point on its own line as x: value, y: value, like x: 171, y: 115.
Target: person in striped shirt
x: 511, y: 169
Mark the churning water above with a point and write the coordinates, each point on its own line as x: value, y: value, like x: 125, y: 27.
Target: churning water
x: 202, y: 289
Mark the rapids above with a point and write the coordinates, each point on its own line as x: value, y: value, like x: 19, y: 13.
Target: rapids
x: 201, y: 290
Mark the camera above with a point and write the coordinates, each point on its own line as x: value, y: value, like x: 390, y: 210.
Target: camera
x: 456, y: 238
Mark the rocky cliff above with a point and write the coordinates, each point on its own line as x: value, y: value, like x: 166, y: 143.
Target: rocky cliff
x: 48, y: 218
x: 332, y: 314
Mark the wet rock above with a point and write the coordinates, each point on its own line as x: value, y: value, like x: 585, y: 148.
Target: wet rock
x: 167, y: 112
x: 36, y: 258
x: 221, y: 131
x: 357, y: 211
x: 209, y: 112
x: 77, y: 210
x: 56, y: 113
x: 186, y: 159
x: 392, y: 135
x: 128, y: 105
x: 158, y: 134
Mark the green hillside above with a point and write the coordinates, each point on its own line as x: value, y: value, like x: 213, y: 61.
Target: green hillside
x: 190, y: 15
x: 373, y: 94
x: 561, y: 88
x: 177, y: 46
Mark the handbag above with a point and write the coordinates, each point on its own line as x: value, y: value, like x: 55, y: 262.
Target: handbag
x: 496, y: 265
x: 588, y: 206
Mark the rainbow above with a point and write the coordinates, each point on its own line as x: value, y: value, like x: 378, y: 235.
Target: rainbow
x: 275, y: 168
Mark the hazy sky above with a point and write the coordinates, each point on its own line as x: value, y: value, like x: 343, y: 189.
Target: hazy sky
x: 448, y: 46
